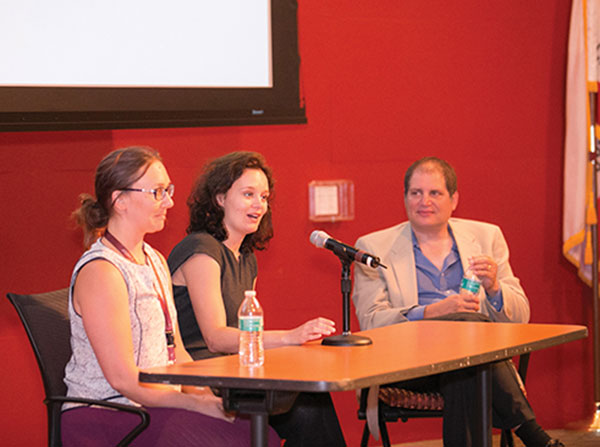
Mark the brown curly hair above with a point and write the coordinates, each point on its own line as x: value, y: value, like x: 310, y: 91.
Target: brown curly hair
x: 206, y: 215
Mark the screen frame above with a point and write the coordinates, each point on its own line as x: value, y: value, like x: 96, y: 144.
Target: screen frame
x: 89, y: 108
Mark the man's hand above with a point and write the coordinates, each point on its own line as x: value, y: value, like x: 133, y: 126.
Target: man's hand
x: 463, y: 302
x: 486, y: 269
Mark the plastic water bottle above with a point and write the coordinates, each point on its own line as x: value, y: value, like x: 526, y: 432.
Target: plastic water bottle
x: 250, y: 323
x: 470, y: 283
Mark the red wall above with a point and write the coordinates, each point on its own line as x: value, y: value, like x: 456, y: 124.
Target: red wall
x: 386, y: 82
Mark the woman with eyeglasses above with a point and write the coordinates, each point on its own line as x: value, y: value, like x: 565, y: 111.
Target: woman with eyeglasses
x: 123, y: 318
x: 214, y: 264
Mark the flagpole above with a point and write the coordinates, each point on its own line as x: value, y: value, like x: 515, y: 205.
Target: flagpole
x: 594, y: 149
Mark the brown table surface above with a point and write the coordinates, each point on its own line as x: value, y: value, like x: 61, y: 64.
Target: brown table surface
x: 399, y: 352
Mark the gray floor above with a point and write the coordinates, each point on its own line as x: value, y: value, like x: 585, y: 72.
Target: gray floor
x: 569, y: 438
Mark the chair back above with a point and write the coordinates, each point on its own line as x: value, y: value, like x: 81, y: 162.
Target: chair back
x: 46, y: 320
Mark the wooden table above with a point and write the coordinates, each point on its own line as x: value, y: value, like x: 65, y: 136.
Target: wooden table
x: 399, y: 352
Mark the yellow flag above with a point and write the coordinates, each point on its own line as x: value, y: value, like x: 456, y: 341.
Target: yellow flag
x: 583, y: 71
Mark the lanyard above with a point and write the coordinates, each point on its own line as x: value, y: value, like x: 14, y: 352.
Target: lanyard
x: 161, y: 296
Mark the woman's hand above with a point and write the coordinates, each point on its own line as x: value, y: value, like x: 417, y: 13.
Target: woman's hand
x: 205, y: 402
x: 311, y: 330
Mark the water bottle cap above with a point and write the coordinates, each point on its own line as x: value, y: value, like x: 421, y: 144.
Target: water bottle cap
x: 250, y: 293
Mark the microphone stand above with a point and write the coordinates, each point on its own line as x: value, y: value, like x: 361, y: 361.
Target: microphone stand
x: 346, y: 338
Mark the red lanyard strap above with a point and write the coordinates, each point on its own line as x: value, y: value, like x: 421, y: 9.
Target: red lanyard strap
x: 168, y: 322
x: 161, y: 296
x: 122, y: 249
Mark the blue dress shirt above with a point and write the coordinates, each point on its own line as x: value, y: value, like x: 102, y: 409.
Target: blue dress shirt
x: 434, y: 285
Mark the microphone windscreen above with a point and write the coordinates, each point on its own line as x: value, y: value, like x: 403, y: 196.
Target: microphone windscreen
x: 318, y: 238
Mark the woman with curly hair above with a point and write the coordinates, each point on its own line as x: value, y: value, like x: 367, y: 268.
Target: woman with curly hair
x: 214, y: 264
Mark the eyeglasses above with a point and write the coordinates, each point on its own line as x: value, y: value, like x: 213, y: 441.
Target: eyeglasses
x: 159, y: 193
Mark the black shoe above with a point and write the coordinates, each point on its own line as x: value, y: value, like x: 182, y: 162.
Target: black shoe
x: 533, y: 435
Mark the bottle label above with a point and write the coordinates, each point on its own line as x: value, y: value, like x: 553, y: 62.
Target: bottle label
x: 471, y: 285
x: 250, y: 324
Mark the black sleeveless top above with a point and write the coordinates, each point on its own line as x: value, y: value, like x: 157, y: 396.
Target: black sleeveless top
x: 236, y: 277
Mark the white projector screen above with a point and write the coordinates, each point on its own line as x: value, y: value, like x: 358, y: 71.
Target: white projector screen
x: 136, y: 43
x: 103, y: 64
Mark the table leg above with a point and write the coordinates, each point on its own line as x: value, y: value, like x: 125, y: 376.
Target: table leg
x: 258, y: 404
x: 259, y: 429
x: 484, y: 406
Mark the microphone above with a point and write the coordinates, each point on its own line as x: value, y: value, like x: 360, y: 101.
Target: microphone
x: 322, y: 240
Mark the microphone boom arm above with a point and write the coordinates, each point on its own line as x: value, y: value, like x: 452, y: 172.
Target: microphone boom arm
x: 345, y: 252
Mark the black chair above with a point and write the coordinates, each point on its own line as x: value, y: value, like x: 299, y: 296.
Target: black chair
x: 46, y: 320
x: 396, y: 403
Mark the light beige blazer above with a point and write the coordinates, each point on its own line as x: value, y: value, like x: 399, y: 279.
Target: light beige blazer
x: 384, y: 296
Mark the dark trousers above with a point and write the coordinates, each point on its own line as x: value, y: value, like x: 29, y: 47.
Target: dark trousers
x: 510, y: 407
x: 311, y: 422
